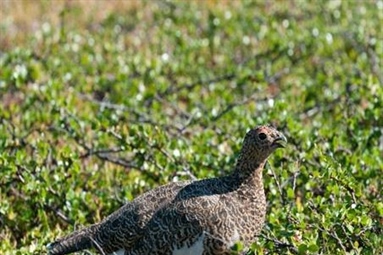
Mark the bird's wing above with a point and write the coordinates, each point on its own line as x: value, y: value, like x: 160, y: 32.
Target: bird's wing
x: 122, y: 228
x: 199, y: 222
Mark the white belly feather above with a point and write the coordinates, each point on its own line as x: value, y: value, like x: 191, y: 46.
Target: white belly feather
x: 119, y: 252
x: 195, y: 249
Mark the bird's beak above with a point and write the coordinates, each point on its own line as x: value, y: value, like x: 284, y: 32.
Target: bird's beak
x: 280, y: 141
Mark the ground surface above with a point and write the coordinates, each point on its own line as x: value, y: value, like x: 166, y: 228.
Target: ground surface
x: 102, y: 101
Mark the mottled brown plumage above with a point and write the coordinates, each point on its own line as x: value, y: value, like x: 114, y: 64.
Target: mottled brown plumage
x: 208, y: 215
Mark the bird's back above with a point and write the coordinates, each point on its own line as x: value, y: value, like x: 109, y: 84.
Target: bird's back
x: 176, y: 214
x: 210, y: 214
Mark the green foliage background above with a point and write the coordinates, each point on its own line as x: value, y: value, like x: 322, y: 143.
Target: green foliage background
x: 97, y: 109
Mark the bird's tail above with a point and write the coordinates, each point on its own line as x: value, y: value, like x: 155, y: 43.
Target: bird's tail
x: 78, y: 240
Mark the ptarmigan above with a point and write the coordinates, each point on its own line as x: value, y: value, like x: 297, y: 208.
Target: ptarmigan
x: 203, y: 217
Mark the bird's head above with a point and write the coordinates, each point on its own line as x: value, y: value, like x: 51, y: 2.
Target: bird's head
x: 261, y: 141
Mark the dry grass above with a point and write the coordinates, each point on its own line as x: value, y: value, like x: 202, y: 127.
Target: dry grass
x: 20, y: 18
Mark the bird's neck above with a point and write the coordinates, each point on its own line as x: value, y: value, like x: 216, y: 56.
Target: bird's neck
x: 248, y: 171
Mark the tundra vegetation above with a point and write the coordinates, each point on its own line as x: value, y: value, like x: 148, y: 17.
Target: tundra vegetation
x: 104, y: 100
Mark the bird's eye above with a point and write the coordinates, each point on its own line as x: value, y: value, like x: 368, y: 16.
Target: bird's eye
x: 262, y: 136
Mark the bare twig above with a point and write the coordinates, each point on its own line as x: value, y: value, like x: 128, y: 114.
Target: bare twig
x: 99, y: 248
x: 96, y: 152
x: 231, y: 106
x: 334, y: 235
x: 280, y: 244
x: 173, y: 89
x: 118, y: 161
x: 278, y: 184
x: 185, y: 169
x: 375, y: 68
x: 59, y: 213
x: 347, y: 187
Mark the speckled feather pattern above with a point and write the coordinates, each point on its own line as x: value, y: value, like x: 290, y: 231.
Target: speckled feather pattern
x: 222, y: 210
